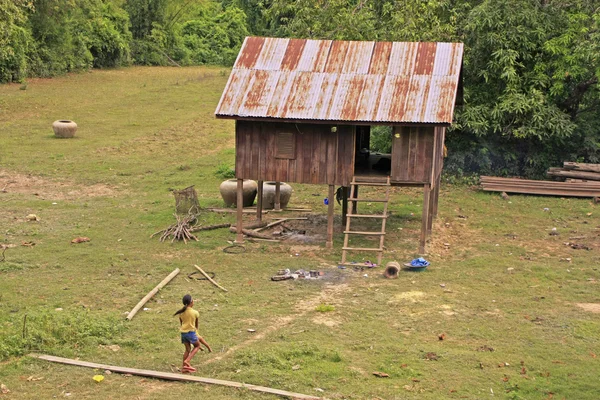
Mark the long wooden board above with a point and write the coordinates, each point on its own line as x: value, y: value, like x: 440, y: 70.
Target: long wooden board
x: 172, y: 376
x: 582, y: 166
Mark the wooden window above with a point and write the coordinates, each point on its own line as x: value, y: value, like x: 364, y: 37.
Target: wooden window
x: 286, y: 145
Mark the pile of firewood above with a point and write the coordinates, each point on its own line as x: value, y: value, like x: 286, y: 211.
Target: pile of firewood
x: 181, y: 230
x: 184, y: 227
x: 577, y: 172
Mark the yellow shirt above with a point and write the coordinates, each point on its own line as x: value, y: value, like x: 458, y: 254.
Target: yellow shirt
x: 188, y: 320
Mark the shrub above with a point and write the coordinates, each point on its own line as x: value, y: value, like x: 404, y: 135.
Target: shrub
x: 224, y: 171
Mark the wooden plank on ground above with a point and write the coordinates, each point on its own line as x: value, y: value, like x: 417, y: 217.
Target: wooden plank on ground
x: 152, y: 293
x: 172, y: 376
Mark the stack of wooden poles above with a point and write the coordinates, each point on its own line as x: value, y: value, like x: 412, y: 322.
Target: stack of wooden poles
x: 583, y: 180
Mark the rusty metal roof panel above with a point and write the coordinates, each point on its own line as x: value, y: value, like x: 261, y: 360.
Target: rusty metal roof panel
x: 402, y: 59
x: 280, y: 95
x: 416, y: 98
x: 358, y: 58
x: 393, y: 98
x: 380, y: 82
x: 261, y: 86
x: 233, y: 93
x: 325, y: 96
x: 314, y: 55
x: 302, y: 97
x: 293, y: 53
x: 370, y: 97
x: 380, y: 58
x: 272, y: 54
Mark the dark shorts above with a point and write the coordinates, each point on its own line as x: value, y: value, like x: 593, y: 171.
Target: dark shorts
x: 189, y: 337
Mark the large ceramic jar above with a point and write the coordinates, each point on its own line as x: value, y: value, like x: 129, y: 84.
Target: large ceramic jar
x: 63, y: 128
x: 228, y: 191
x: 285, y: 193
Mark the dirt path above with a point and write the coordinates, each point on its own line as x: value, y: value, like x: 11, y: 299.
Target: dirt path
x: 327, y: 295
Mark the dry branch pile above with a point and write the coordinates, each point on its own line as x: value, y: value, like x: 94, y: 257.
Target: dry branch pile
x: 181, y: 230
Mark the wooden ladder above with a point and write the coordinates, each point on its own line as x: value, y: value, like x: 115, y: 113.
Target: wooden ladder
x: 352, y: 199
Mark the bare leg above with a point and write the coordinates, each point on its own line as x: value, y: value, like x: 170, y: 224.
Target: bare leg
x: 201, y: 340
x: 186, y: 353
x: 192, y: 353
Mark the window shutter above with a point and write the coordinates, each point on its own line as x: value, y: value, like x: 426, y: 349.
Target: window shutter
x: 286, y: 145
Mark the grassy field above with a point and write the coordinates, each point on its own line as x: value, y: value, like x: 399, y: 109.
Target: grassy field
x: 517, y: 305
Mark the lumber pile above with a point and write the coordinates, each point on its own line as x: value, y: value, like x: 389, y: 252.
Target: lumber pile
x: 526, y: 186
x: 586, y: 172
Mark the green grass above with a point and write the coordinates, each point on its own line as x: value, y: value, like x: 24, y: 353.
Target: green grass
x: 496, y: 277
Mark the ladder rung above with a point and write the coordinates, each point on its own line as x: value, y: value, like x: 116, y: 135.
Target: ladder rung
x: 368, y: 184
x: 373, y: 201
x: 361, y: 249
x: 356, y: 264
x: 364, y: 233
x: 366, y: 215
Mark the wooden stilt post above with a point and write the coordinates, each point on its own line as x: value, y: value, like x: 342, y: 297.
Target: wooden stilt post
x: 424, y: 218
x: 436, y: 197
x: 355, y: 203
x: 344, y: 204
x: 277, y: 196
x: 430, y: 214
x: 330, y: 216
x: 240, y: 211
x: 259, y: 202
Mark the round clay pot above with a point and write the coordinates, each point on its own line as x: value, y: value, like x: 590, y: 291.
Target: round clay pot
x: 63, y: 128
x: 285, y: 193
x: 228, y: 191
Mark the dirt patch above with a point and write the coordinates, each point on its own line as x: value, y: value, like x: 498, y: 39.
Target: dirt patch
x: 326, y: 320
x: 590, y: 307
x: 413, y: 296
x: 47, y: 189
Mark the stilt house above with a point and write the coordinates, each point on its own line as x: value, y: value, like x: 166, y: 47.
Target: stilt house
x: 304, y: 108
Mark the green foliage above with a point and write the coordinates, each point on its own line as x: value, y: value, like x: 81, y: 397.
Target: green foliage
x: 531, y: 81
x: 216, y: 38
x: 324, y: 308
x: 144, y: 15
x: 46, y: 331
x: 15, y: 39
x: 381, y: 139
x: 107, y: 35
x: 225, y: 171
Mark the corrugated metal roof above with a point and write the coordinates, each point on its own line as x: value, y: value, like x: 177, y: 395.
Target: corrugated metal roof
x: 332, y: 80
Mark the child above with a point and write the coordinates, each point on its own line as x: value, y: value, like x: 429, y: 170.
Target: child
x: 188, y: 319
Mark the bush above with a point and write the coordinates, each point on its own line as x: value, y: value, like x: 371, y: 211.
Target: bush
x: 224, y: 171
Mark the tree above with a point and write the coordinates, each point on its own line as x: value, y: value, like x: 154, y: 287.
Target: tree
x: 15, y: 39
x: 530, y: 71
x: 144, y: 14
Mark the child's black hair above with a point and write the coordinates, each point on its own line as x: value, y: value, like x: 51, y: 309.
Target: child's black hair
x: 187, y: 300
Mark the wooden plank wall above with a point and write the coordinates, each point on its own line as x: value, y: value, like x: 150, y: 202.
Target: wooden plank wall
x: 322, y: 156
x: 413, y: 154
x: 438, y: 154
